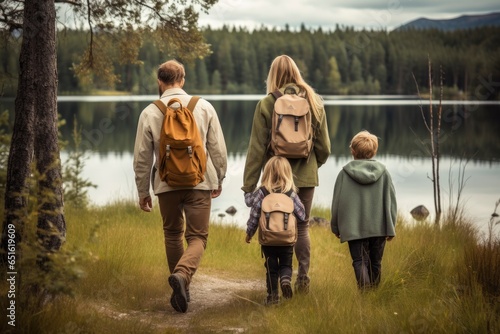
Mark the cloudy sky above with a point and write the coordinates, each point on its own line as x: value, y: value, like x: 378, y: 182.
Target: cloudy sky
x: 376, y: 14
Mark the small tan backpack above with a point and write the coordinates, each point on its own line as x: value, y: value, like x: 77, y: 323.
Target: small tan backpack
x: 277, y: 223
x: 292, y: 130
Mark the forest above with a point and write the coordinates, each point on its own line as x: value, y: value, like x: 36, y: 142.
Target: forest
x: 342, y: 61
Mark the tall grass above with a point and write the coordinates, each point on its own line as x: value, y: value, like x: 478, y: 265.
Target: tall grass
x: 423, y: 288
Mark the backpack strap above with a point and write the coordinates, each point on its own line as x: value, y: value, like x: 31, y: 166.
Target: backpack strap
x: 277, y: 94
x: 267, y: 214
x: 192, y: 103
x: 163, y: 107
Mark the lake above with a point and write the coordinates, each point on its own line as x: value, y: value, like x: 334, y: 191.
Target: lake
x: 470, y: 134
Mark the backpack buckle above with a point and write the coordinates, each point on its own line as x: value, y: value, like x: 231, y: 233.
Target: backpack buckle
x: 168, y: 151
x: 190, y: 151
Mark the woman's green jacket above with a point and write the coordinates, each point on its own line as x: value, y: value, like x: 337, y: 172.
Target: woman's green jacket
x: 305, y: 170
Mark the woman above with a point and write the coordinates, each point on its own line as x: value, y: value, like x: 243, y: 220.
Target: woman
x: 285, y: 75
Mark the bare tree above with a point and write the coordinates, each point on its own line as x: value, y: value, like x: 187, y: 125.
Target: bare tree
x: 456, y: 209
x: 434, y: 140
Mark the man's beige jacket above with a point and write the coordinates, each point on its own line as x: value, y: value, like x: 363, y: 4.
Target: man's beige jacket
x: 147, y: 140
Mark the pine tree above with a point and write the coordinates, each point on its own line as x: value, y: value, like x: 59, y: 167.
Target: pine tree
x: 334, y: 77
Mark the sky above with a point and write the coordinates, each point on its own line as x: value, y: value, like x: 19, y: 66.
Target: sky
x: 369, y: 14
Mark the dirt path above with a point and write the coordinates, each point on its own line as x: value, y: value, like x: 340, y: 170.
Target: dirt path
x: 206, y: 291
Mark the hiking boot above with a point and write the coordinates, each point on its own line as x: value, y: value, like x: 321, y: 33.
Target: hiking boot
x: 272, y: 299
x: 179, y: 298
x: 286, y: 289
x: 302, y: 285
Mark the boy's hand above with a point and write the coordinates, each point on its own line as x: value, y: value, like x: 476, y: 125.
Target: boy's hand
x: 247, y: 239
x: 389, y: 238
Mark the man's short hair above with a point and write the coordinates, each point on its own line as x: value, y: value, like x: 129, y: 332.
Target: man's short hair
x: 364, y: 145
x: 171, y: 72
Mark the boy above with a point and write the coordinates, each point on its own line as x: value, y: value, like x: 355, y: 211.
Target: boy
x: 364, y: 209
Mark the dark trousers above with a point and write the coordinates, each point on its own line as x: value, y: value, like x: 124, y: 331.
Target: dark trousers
x: 186, y: 215
x: 278, y: 265
x: 367, y: 260
x: 303, y: 245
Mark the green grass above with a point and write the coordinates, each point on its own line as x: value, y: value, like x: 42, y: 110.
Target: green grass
x: 426, y: 285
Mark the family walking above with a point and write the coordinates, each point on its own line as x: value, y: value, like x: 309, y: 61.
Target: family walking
x: 186, y: 169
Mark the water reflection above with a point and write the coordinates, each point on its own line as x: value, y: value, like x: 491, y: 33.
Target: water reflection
x: 469, y: 131
x: 113, y: 173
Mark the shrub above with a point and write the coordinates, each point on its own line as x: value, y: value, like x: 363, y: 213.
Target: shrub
x: 483, y: 262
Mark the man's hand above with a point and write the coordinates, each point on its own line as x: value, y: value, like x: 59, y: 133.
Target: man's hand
x: 337, y: 235
x: 146, y: 204
x: 247, y: 239
x: 389, y: 238
x: 216, y: 193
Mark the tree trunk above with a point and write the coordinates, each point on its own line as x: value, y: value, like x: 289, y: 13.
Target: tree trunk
x: 48, y: 164
x: 35, y: 133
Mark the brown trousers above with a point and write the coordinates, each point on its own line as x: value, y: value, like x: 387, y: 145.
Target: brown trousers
x: 303, y: 245
x: 189, y: 209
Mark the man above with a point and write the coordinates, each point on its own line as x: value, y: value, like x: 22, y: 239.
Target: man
x: 179, y: 206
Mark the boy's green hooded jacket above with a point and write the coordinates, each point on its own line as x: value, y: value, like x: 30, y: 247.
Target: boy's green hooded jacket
x: 305, y: 171
x: 364, y: 202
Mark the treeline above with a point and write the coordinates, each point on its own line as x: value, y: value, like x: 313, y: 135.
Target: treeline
x: 341, y: 61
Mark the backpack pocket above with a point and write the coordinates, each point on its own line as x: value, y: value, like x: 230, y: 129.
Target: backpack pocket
x: 183, y: 167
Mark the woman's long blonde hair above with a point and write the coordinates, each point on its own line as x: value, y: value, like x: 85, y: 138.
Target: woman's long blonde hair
x: 277, y: 176
x: 284, y: 71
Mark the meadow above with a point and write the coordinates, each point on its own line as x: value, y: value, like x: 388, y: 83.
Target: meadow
x: 434, y: 280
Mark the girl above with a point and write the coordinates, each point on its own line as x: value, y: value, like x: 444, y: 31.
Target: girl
x: 276, y: 178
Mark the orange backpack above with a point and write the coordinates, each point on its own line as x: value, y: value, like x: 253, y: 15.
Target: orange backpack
x: 182, y: 159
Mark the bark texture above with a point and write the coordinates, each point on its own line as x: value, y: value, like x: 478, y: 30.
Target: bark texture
x: 35, y: 132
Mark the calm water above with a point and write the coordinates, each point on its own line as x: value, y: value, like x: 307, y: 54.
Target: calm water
x: 470, y: 130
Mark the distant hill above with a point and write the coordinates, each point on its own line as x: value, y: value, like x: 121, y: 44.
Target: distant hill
x: 462, y: 22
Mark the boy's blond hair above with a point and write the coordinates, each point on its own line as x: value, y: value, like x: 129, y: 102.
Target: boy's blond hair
x: 364, y: 145
x: 277, y: 176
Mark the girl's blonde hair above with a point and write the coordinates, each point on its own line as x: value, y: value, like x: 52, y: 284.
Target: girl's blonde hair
x: 364, y: 145
x: 277, y: 176
x: 284, y: 71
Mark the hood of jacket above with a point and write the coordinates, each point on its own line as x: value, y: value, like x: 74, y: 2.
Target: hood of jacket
x: 364, y: 171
